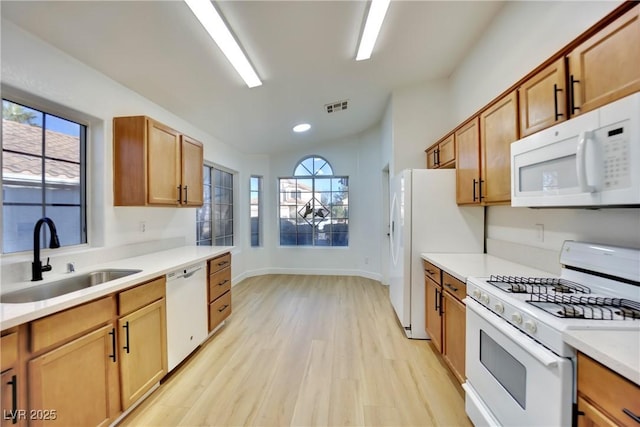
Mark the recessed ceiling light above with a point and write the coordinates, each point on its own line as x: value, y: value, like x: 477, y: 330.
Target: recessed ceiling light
x: 377, y: 11
x: 302, y: 127
x: 217, y: 29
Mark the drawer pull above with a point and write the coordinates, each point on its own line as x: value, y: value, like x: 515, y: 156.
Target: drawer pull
x: 633, y: 416
x: 224, y: 282
x: 220, y: 264
x: 451, y: 287
x: 430, y: 271
x: 220, y: 310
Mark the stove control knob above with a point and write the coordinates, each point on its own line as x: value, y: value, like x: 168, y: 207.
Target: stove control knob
x: 530, y: 326
x: 517, y: 318
x: 499, y: 308
x: 484, y: 298
x: 476, y: 293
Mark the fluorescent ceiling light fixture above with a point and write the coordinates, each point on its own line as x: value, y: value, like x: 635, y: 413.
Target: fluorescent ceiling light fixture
x: 302, y: 127
x: 217, y: 29
x: 377, y: 11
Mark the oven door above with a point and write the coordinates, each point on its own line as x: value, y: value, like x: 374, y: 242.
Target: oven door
x: 511, y: 379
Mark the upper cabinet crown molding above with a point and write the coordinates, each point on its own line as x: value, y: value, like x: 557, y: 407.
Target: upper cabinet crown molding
x: 155, y: 165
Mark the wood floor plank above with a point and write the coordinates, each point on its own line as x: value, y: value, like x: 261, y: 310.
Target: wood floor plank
x: 308, y: 351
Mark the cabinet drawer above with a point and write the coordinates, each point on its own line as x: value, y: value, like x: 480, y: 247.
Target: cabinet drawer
x: 141, y: 295
x: 219, y: 283
x: 607, y: 390
x: 66, y: 324
x: 219, y: 310
x: 8, y: 350
x: 218, y: 263
x: 432, y: 271
x: 454, y: 286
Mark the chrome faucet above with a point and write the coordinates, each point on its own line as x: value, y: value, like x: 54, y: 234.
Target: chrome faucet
x: 36, y: 266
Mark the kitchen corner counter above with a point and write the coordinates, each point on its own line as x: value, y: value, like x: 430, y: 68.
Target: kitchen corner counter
x: 152, y: 265
x: 618, y: 350
x: 463, y: 266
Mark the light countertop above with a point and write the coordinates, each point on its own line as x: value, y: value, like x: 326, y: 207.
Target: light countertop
x: 618, y: 350
x: 152, y: 265
x: 462, y: 266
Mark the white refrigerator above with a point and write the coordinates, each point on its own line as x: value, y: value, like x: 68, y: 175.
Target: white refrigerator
x: 425, y: 218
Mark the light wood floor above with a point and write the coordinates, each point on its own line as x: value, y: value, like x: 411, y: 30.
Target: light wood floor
x: 308, y: 351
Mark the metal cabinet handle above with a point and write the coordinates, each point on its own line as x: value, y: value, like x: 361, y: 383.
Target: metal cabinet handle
x: 126, y: 329
x: 451, y: 287
x: 220, y: 264
x: 557, y: 114
x: 220, y: 310
x: 14, y: 399
x: 430, y: 271
x: 480, y: 189
x: 475, y: 181
x: 113, y: 344
x: 225, y: 281
x: 186, y: 195
x: 572, y: 91
x: 633, y: 416
x: 179, y: 194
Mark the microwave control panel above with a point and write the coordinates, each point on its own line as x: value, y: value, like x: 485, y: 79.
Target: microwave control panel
x: 616, y: 156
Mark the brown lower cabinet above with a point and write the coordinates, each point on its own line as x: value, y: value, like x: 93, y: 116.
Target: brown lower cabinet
x: 445, y: 317
x: 219, y: 290
x: 604, y: 397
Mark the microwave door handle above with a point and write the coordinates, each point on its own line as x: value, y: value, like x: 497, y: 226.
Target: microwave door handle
x: 581, y: 162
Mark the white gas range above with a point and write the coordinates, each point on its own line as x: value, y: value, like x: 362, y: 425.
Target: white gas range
x: 519, y: 369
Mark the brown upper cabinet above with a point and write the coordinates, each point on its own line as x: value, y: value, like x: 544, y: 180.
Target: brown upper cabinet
x: 467, y: 139
x: 498, y: 129
x: 543, y: 99
x: 606, y: 66
x: 442, y: 154
x: 155, y: 165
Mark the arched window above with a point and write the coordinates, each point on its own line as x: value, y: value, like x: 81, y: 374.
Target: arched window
x: 314, y: 205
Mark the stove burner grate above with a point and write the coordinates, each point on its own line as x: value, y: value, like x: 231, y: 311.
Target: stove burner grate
x: 537, y: 285
x: 587, y: 307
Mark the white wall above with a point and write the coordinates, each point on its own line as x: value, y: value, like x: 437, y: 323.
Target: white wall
x: 358, y: 157
x: 420, y: 115
x: 521, y: 37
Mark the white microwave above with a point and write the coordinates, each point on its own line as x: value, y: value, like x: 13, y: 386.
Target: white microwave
x: 591, y: 160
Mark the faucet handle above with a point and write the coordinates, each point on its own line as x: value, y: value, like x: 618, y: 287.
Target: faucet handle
x: 47, y: 267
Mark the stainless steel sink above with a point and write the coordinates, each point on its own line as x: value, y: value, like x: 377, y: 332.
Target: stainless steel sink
x: 65, y: 286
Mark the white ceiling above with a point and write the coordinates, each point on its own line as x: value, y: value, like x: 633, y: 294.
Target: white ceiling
x: 302, y: 50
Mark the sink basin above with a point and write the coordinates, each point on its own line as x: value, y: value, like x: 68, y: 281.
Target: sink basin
x: 65, y: 286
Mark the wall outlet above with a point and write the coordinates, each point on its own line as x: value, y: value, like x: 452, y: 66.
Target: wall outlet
x: 143, y: 226
x: 540, y: 232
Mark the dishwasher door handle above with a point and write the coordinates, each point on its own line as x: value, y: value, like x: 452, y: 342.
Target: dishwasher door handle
x: 191, y: 273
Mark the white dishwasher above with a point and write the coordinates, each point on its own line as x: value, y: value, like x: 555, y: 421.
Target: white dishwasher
x: 186, y: 312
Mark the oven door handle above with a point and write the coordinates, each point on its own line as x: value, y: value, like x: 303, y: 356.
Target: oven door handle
x: 544, y: 356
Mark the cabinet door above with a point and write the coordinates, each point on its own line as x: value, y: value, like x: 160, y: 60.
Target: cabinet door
x: 163, y: 164
x: 468, y: 162
x: 78, y: 380
x: 9, y: 393
x: 454, y: 327
x: 447, y: 151
x: 433, y: 319
x: 431, y: 158
x: 142, y: 350
x: 543, y: 99
x: 192, y: 165
x: 605, y: 67
x: 498, y: 129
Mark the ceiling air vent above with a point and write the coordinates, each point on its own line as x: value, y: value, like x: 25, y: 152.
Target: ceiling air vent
x: 334, y: 107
